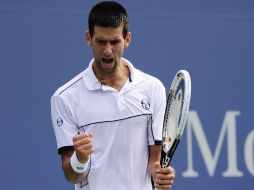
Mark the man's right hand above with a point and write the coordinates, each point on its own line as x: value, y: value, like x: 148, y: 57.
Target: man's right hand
x: 83, y: 146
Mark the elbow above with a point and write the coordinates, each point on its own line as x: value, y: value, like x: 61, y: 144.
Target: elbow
x: 70, y: 179
x: 70, y: 176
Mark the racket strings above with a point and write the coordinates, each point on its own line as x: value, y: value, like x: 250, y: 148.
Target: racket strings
x: 174, y: 117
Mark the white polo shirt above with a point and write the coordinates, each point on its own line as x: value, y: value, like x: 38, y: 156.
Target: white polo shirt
x: 123, y: 124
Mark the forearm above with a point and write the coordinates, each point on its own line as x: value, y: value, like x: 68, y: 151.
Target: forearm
x: 150, y: 169
x: 70, y: 175
x: 154, y: 156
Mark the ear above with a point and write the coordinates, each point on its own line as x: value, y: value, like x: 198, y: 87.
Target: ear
x: 88, y: 38
x: 127, y: 40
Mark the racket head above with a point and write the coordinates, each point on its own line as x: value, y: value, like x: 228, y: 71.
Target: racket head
x: 176, y: 114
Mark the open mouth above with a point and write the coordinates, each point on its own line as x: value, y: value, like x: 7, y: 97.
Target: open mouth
x: 107, y: 63
x: 107, y: 60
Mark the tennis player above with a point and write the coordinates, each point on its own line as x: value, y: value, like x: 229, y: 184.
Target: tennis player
x: 108, y: 119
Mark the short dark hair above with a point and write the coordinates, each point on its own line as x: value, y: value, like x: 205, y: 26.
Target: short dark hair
x: 108, y: 14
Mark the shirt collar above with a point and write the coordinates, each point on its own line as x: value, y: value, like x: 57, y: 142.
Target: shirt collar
x: 92, y: 82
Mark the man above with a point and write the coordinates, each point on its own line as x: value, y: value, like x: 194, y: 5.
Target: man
x: 108, y: 119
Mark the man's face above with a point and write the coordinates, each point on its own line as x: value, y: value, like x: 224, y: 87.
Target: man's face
x: 108, y: 46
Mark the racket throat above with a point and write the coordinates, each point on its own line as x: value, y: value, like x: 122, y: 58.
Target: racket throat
x: 167, y: 157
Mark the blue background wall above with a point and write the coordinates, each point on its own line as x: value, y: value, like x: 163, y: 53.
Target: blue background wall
x: 42, y: 46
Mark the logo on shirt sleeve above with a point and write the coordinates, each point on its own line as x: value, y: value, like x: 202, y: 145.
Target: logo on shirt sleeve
x: 59, y: 122
x: 145, y: 104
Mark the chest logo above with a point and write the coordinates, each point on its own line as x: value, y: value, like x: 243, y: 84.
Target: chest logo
x: 145, y: 104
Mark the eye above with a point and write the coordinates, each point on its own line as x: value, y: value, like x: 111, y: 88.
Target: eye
x: 101, y: 42
x: 114, y: 42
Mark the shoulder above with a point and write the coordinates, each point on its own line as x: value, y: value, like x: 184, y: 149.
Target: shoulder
x: 71, y: 86
x: 149, y: 80
x: 140, y: 77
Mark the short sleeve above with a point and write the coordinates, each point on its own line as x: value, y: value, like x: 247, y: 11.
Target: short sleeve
x: 63, y: 123
x: 159, y: 105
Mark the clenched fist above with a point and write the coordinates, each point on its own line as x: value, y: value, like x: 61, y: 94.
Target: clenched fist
x: 83, y: 146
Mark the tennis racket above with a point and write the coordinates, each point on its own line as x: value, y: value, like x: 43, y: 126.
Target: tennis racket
x: 176, y: 115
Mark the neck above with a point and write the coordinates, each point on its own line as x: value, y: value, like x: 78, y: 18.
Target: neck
x: 116, y: 79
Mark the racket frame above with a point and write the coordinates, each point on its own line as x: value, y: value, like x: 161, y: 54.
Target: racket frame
x: 166, y: 156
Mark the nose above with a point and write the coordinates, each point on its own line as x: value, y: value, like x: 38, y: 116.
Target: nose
x: 107, y: 49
